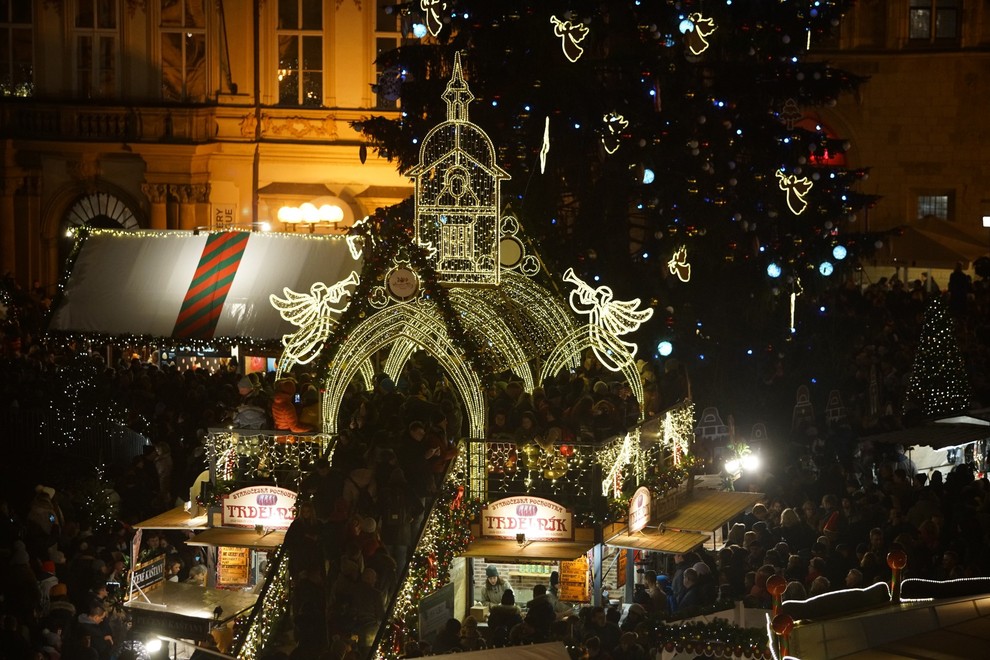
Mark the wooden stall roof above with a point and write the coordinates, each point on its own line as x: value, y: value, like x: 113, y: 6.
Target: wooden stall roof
x: 238, y: 538
x: 584, y: 540
x: 195, y: 601
x: 510, y: 550
x: 655, y: 540
x: 708, y: 510
x: 177, y: 518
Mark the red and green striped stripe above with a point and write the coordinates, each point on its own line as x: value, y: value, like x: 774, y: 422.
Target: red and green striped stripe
x: 208, y: 290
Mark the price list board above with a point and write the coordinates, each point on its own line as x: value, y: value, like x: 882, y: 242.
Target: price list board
x: 574, y: 580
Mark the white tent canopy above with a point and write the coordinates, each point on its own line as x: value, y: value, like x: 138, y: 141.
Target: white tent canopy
x: 147, y: 283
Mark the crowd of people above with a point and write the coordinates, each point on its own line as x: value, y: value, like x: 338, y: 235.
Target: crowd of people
x: 827, y: 522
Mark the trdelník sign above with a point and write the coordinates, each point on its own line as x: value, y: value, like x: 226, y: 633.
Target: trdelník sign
x: 534, y: 517
x: 266, y: 506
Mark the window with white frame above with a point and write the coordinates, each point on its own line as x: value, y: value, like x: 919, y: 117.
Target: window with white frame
x: 935, y: 205
x: 933, y: 21
x: 96, y: 47
x: 16, y: 47
x: 183, y: 32
x: 300, y: 52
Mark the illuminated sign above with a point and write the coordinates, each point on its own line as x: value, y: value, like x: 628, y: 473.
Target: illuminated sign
x: 639, y: 509
x: 268, y: 506
x: 534, y: 517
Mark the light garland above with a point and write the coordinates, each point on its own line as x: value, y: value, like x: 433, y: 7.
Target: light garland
x: 446, y: 534
x: 265, y: 454
x: 268, y: 611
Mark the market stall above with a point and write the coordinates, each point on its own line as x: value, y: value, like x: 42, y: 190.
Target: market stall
x: 236, y: 537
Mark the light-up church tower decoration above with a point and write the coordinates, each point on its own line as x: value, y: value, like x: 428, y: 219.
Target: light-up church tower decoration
x: 457, y: 193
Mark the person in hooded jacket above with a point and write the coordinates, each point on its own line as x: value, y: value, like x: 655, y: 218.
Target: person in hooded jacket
x: 494, y: 587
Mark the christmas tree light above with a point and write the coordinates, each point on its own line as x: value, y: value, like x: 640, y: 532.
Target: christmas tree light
x: 938, y: 384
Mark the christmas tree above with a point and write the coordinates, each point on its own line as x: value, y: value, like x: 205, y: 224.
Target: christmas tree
x: 939, y: 385
x: 668, y: 149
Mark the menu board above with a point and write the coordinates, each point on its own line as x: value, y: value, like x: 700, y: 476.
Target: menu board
x: 233, y: 566
x: 574, y: 580
x: 620, y: 568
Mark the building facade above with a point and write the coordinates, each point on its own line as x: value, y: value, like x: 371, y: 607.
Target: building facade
x: 185, y: 114
x: 209, y: 113
x: 919, y: 124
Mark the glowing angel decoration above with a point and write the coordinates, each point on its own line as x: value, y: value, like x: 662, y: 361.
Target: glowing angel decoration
x: 432, y: 9
x: 608, y: 319
x: 614, y: 125
x: 696, y: 28
x: 311, y: 312
x: 571, y: 34
x: 796, y: 189
x: 678, y: 265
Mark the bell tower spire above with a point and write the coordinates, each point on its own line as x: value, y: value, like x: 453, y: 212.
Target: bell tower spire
x: 457, y: 95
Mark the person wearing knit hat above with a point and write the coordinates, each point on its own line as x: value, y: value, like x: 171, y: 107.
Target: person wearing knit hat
x: 494, y: 587
x: 245, y: 386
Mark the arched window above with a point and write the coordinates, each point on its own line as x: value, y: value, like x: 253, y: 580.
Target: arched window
x: 101, y: 210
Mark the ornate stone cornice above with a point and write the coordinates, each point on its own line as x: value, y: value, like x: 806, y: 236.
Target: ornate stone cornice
x: 190, y: 193
x: 157, y: 193
x: 297, y: 127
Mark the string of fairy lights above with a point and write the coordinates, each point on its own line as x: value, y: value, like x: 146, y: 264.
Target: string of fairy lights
x: 251, y: 455
x: 267, y: 613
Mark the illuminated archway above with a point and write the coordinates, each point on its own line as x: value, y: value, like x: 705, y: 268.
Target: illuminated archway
x: 419, y: 323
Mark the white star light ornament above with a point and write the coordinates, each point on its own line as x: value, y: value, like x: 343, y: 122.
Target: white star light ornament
x: 432, y: 9
x: 571, y: 35
x: 614, y: 125
x: 546, y: 146
x: 311, y: 313
x: 695, y: 29
x: 608, y: 319
x: 678, y: 265
x: 796, y: 189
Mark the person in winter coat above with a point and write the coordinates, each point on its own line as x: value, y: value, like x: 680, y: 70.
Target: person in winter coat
x: 503, y: 618
x: 494, y: 587
x: 284, y: 413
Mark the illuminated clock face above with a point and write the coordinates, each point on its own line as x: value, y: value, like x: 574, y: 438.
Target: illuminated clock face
x: 402, y: 283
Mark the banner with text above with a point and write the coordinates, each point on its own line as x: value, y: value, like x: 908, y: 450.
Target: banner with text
x: 147, y: 577
x: 536, y: 518
x: 268, y: 506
